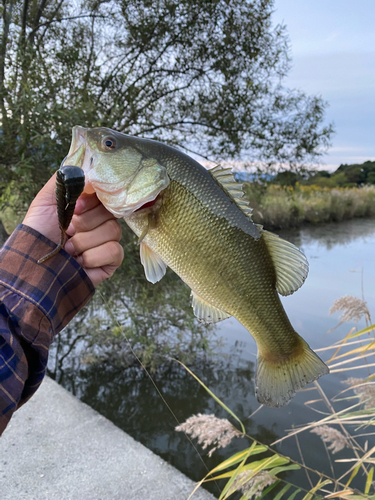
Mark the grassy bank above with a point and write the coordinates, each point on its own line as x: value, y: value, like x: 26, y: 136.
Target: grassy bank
x: 281, y: 207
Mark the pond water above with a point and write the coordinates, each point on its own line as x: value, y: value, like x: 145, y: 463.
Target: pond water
x: 342, y: 262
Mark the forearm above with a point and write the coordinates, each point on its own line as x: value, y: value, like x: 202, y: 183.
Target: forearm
x: 36, y: 302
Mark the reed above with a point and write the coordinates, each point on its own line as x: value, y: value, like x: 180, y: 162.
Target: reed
x: 285, y: 206
x: 257, y: 471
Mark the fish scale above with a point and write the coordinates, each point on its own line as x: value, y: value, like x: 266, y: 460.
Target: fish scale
x: 224, y: 279
x: 195, y: 222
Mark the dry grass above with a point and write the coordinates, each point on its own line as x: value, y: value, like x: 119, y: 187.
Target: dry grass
x: 209, y: 430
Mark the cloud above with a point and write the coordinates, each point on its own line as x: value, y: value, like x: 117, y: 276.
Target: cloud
x: 344, y: 149
x: 333, y: 56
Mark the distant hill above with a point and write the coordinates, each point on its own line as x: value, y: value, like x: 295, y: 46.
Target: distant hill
x: 363, y: 173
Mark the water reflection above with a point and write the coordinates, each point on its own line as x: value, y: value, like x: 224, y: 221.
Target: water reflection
x: 331, y: 235
x: 130, y: 400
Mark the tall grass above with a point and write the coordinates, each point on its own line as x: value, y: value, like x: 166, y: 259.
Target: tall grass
x: 280, y: 207
x: 257, y: 472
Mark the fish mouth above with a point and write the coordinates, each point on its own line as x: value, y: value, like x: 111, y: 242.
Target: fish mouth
x: 77, y: 149
x: 148, y: 204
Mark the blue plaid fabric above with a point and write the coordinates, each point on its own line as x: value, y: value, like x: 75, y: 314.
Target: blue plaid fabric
x: 36, y: 302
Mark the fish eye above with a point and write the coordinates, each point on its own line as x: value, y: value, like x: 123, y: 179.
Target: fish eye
x: 108, y: 143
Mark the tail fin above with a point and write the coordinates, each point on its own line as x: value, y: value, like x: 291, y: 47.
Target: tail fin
x: 278, y: 381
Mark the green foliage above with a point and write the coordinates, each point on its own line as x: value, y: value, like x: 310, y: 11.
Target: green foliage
x: 358, y: 174
x: 286, y: 178
x: 345, y: 176
x: 204, y: 75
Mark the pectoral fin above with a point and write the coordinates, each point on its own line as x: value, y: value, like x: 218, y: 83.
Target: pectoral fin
x: 153, y: 265
x: 290, y: 263
x: 205, y: 312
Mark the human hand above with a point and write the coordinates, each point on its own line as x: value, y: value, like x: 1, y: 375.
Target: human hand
x: 94, y: 232
x: 42, y: 213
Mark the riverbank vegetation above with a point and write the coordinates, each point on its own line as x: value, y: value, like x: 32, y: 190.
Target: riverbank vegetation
x: 290, y: 199
x: 277, y: 206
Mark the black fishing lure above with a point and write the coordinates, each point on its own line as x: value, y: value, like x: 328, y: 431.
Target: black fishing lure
x: 70, y: 181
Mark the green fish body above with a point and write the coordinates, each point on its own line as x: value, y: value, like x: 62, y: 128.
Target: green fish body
x: 195, y: 221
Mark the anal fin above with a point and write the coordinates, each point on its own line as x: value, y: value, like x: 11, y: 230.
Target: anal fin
x: 153, y: 264
x: 206, y: 312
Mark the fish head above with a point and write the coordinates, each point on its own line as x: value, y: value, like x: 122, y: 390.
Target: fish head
x: 115, y: 167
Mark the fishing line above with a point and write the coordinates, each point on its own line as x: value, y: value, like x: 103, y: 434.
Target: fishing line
x: 152, y: 380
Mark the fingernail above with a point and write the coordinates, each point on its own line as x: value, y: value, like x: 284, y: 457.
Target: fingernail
x: 69, y: 247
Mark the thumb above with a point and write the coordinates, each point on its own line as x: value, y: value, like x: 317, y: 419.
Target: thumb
x: 47, y: 196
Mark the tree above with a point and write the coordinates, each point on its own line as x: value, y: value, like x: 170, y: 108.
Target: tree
x: 358, y: 174
x: 204, y: 75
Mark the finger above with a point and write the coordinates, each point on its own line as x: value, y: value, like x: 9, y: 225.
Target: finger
x: 85, y: 203
x: 99, y: 274
x: 106, y: 232
x: 110, y: 253
x: 90, y: 220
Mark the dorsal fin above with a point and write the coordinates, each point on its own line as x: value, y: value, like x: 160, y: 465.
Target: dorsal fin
x: 290, y: 263
x: 225, y: 178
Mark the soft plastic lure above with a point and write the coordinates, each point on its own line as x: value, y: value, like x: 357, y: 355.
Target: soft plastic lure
x: 70, y: 181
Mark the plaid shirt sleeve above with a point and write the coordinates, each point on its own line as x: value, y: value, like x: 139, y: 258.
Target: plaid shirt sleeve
x: 36, y: 302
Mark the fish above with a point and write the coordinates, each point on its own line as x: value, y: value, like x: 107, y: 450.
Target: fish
x: 197, y: 222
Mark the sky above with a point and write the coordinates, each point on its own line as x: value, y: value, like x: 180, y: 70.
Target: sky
x: 333, y: 55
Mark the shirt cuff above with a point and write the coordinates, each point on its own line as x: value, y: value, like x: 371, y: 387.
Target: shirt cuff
x: 59, y: 287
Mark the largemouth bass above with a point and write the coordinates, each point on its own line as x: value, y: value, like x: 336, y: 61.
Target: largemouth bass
x: 195, y: 221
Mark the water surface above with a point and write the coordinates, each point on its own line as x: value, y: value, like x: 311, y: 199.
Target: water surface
x: 342, y: 262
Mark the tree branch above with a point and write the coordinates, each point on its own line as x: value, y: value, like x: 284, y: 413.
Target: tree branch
x: 92, y: 44
x: 71, y: 18
x: 54, y: 14
x: 182, y: 122
x: 39, y: 13
x: 23, y: 26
